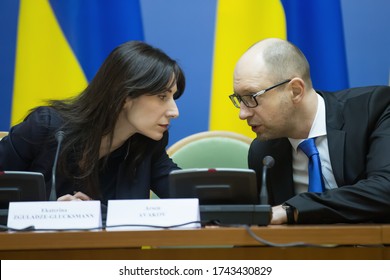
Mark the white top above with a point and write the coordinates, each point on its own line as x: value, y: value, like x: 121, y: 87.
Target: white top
x: 300, y: 160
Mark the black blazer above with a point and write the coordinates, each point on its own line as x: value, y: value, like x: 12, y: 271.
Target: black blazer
x: 31, y: 146
x: 358, y: 132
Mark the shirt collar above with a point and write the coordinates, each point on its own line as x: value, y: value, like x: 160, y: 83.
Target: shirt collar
x: 318, y: 128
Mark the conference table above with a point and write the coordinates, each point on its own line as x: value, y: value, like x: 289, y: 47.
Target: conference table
x: 340, y: 241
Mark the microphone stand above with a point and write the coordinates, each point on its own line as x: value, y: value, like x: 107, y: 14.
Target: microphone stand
x: 53, y: 192
x: 268, y: 162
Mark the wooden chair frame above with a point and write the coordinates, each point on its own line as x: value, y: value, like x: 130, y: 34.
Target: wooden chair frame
x: 3, y: 133
x: 207, y: 134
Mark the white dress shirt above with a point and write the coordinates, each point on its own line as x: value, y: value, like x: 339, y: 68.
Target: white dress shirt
x: 300, y: 160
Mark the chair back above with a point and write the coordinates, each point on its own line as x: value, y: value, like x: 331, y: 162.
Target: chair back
x: 3, y: 133
x: 211, y: 149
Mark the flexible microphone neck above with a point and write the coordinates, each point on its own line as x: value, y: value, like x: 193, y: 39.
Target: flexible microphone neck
x: 53, y: 192
x: 268, y: 162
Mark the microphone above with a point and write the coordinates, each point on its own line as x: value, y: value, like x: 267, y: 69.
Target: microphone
x: 268, y: 162
x: 53, y: 193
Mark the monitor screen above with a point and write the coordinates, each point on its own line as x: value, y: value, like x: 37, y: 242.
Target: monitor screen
x: 19, y: 186
x: 215, y: 185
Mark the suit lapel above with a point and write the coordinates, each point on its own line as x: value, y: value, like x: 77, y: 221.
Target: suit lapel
x: 335, y: 135
x: 336, y: 153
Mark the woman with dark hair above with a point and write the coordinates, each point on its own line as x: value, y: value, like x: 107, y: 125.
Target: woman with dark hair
x: 115, y: 131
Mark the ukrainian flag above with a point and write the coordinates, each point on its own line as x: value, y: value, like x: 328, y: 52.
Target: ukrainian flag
x: 315, y: 26
x: 61, y: 44
x: 239, y: 24
x: 53, y: 48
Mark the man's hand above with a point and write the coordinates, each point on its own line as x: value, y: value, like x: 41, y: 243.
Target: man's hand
x: 279, y: 215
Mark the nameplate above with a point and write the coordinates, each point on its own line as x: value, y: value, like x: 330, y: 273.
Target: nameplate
x: 152, y: 214
x: 55, y: 215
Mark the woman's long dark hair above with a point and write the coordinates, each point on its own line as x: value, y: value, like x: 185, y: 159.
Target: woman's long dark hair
x: 131, y: 70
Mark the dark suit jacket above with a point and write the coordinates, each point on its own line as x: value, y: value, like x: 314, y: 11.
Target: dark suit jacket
x: 31, y: 146
x: 358, y: 132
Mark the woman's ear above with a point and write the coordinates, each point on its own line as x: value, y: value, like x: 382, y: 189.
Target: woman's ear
x: 127, y: 102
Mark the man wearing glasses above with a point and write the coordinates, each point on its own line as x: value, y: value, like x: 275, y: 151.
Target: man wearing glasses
x: 331, y: 149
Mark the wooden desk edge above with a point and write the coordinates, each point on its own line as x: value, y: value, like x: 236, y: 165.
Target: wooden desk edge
x: 334, y: 234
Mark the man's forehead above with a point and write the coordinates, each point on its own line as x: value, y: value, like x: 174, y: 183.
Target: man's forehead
x: 246, y: 84
x: 249, y: 76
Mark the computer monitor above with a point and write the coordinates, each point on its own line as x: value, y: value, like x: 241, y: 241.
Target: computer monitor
x: 226, y: 195
x: 19, y: 186
x: 215, y: 185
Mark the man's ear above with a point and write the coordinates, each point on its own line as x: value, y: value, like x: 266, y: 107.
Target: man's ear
x: 298, y: 89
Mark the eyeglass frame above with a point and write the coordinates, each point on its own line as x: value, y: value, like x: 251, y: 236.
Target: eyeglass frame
x: 254, y: 95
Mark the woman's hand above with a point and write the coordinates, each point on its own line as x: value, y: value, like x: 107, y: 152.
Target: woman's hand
x: 78, y: 196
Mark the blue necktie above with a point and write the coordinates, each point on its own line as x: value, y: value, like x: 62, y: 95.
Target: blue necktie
x: 316, y: 183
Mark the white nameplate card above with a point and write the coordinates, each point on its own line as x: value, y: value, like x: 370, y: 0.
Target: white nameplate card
x: 152, y: 214
x: 55, y: 215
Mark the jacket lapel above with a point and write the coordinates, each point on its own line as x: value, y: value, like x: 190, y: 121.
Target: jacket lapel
x: 335, y: 135
x: 336, y: 154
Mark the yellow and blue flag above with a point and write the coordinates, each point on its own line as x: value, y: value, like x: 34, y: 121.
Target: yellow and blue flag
x: 51, y: 49
x: 61, y: 44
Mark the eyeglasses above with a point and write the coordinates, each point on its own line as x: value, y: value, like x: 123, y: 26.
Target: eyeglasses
x: 250, y: 99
